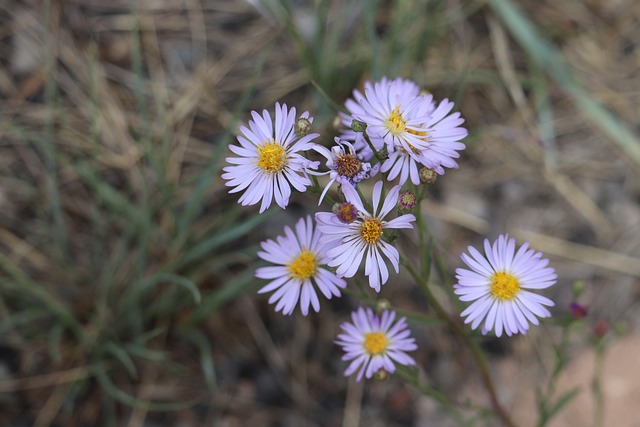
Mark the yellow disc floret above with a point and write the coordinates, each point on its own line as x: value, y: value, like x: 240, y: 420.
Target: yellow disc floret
x: 504, y: 286
x: 371, y: 230
x: 421, y: 134
x: 375, y: 342
x: 395, y: 122
x: 271, y: 156
x: 304, y: 266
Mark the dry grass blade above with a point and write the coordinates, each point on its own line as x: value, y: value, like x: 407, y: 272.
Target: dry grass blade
x: 586, y: 254
x: 549, y: 59
x: 47, y: 380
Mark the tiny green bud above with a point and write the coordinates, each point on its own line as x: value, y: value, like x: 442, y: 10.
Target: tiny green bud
x: 382, y: 305
x: 383, y: 153
x: 381, y: 375
x: 577, y: 288
x: 302, y: 127
x: 620, y: 328
x: 336, y: 124
x: 358, y: 126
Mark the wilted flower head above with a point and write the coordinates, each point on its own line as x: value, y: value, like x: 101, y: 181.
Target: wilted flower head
x: 344, y: 165
x: 346, y: 212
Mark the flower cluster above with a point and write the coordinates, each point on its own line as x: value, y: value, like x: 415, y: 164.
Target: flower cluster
x: 393, y: 132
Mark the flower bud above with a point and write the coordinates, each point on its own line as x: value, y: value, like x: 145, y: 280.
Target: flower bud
x: 383, y: 153
x: 336, y: 124
x: 577, y: 288
x: 302, y: 127
x: 407, y: 201
x: 428, y: 176
x: 358, y: 126
x: 382, y: 305
x: 381, y: 375
x: 578, y: 311
x: 600, y: 328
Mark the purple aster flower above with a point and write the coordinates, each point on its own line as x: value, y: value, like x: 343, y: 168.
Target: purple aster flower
x: 270, y: 163
x: 406, y: 90
x: 375, y: 343
x: 344, y: 165
x: 498, y: 284
x: 415, y: 130
x: 299, y: 257
x: 364, y: 236
x: 394, y: 115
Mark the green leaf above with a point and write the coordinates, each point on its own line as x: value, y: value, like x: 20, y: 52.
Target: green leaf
x: 206, y: 247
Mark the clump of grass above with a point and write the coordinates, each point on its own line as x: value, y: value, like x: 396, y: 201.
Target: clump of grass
x: 116, y: 239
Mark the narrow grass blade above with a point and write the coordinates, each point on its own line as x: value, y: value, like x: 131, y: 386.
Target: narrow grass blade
x: 206, y: 247
x: 206, y: 358
x: 147, y: 284
x: 123, y: 357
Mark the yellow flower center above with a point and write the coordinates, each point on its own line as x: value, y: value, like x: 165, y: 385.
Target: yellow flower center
x: 504, y: 286
x: 304, y: 266
x: 348, y: 165
x: 395, y: 122
x: 371, y: 230
x: 375, y: 342
x: 271, y: 156
x: 418, y: 133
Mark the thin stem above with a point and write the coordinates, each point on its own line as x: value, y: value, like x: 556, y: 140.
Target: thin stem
x: 596, y: 385
x: 423, y: 281
x: 377, y: 153
x: 476, y: 352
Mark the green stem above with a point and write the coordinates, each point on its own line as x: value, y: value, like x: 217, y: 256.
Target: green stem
x: 596, y: 385
x: 423, y: 281
x: 377, y: 153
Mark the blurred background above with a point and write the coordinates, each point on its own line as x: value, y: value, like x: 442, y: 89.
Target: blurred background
x: 127, y: 295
